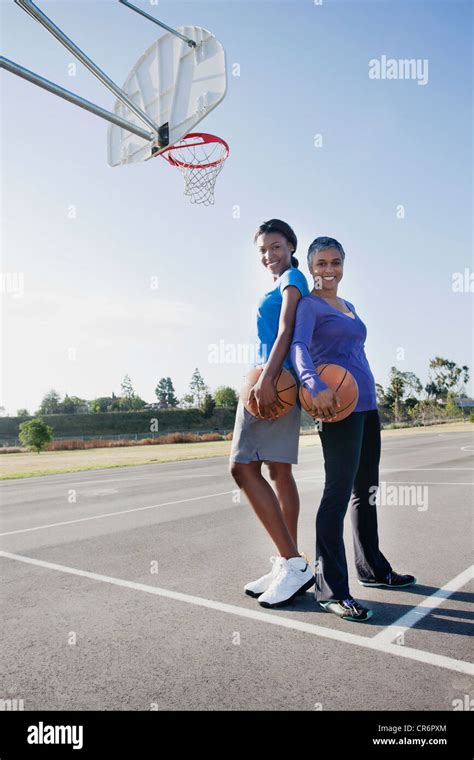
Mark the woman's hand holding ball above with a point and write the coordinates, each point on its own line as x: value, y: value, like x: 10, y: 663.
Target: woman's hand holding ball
x: 325, y: 404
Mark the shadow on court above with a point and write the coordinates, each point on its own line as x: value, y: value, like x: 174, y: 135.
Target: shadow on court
x: 388, y: 612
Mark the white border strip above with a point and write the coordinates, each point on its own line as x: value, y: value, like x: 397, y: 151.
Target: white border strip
x: 413, y: 616
x: 274, y: 619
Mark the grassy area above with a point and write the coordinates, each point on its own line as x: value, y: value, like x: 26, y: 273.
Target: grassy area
x: 27, y: 465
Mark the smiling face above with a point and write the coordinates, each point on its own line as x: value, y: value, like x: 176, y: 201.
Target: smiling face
x: 275, y: 252
x: 327, y: 271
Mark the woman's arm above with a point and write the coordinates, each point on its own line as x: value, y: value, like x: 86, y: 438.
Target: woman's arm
x: 324, y: 400
x: 265, y: 389
x: 305, y: 322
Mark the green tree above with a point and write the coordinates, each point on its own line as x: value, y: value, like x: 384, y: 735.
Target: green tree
x: 136, y: 404
x: 130, y: 401
x: 127, y: 388
x: 197, y: 388
x: 35, y: 434
x: 410, y: 403
x: 384, y: 398
x: 102, y: 404
x: 72, y: 404
x: 22, y: 413
x: 208, y: 405
x: 451, y: 408
x: 165, y: 393
x: 400, y: 383
x: 226, y: 396
x: 50, y: 403
x: 424, y: 410
x: 446, y: 376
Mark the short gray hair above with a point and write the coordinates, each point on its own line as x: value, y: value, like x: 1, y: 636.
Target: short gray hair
x: 322, y: 244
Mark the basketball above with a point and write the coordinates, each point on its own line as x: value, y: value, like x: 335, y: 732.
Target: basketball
x: 342, y: 382
x: 286, y: 390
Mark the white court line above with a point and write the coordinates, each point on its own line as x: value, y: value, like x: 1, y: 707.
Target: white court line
x: 196, y: 498
x: 114, y: 514
x: 366, y: 642
x: 413, y: 616
x: 144, y: 476
x: 427, y: 483
x: 121, y: 512
x: 147, y: 474
x: 124, y: 479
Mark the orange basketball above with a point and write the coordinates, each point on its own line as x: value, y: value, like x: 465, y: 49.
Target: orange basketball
x: 342, y: 382
x: 286, y: 390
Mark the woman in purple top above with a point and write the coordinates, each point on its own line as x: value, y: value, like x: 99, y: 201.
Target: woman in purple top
x: 328, y: 330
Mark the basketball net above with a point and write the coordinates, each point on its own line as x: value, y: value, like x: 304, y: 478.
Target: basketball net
x: 200, y: 158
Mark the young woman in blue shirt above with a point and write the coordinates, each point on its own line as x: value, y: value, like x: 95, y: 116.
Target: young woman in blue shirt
x: 269, y: 439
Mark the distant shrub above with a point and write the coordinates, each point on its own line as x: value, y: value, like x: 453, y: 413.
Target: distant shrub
x: 178, y: 438
x: 76, y: 444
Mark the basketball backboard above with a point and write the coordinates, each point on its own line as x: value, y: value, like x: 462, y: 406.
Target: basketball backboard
x: 176, y: 86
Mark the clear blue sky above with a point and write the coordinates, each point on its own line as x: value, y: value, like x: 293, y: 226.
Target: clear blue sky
x: 303, y: 71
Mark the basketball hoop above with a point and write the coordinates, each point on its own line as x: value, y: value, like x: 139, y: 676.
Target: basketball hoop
x: 200, y: 158
x: 170, y: 89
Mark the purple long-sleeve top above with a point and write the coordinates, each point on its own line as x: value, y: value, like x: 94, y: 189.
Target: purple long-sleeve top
x: 322, y: 335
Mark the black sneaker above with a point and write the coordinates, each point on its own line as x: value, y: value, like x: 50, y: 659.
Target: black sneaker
x: 348, y: 609
x: 392, y: 580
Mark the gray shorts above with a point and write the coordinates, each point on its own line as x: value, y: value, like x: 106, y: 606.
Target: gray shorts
x: 266, y: 440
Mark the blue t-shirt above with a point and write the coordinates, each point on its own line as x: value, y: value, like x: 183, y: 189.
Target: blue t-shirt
x: 268, y: 312
x: 323, y: 335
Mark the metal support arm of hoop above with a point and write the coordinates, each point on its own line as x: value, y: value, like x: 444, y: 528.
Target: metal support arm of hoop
x: 71, y: 97
x: 199, y: 156
x: 189, y: 41
x: 158, y: 134
x: 38, y: 15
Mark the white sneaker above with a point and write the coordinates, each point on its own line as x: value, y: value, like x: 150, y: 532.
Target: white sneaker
x: 255, y: 588
x: 294, y: 577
